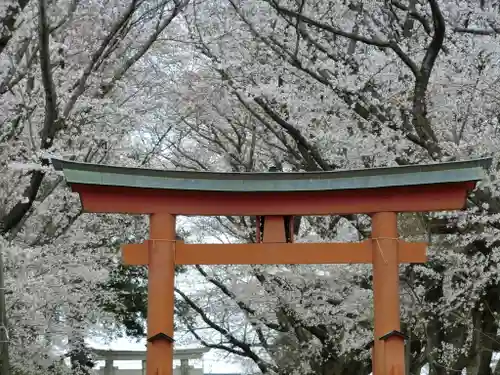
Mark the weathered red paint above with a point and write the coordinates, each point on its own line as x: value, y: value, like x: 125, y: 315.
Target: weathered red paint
x: 108, y: 199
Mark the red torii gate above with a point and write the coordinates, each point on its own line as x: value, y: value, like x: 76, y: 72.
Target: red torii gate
x: 380, y: 192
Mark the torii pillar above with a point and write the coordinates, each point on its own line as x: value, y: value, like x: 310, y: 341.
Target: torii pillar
x: 382, y: 193
x: 161, y: 279
x: 388, y: 346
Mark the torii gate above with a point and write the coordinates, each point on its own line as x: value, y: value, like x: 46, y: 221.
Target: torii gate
x: 380, y: 192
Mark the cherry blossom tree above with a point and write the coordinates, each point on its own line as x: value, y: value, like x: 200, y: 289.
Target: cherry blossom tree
x: 322, y: 86
x: 244, y: 86
x: 77, y: 80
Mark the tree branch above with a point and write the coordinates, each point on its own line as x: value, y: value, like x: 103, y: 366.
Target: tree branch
x: 8, y: 22
x: 484, y: 32
x: 240, y: 304
x: 51, y: 112
x: 420, y: 120
x: 237, y: 343
x: 295, y: 134
x: 372, y: 42
x: 79, y: 86
x: 437, y: 39
x: 412, y: 13
x: 203, y: 342
x: 145, y: 47
x: 49, y: 129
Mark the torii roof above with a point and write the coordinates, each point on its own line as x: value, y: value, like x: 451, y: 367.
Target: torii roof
x: 389, y: 177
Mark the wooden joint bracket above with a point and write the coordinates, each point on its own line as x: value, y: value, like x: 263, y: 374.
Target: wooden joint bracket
x: 392, y: 334
x: 138, y: 254
x: 161, y: 337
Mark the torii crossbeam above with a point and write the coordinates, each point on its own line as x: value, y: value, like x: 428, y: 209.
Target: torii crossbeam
x: 380, y: 192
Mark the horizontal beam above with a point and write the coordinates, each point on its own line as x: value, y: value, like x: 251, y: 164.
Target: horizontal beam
x: 423, y: 198
x: 275, y: 253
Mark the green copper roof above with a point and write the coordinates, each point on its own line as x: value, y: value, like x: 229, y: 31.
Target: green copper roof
x: 105, y: 175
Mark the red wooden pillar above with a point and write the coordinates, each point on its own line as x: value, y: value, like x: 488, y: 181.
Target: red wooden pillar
x: 161, y: 276
x: 388, y: 340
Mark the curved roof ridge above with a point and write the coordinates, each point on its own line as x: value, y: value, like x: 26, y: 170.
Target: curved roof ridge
x: 411, y: 175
